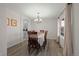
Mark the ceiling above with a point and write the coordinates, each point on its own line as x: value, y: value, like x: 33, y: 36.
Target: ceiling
x: 46, y: 10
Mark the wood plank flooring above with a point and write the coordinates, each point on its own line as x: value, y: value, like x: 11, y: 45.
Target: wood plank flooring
x: 20, y: 49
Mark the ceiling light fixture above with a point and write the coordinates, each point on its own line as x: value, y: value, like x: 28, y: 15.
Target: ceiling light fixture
x: 38, y: 19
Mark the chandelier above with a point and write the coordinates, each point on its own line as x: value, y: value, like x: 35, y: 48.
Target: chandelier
x: 38, y: 19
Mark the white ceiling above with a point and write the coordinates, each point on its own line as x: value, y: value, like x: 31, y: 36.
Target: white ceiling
x: 47, y: 10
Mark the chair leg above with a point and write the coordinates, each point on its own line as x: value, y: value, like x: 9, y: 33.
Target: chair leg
x: 28, y: 50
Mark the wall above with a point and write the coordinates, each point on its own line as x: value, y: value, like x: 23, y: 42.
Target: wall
x: 26, y: 24
x: 3, y: 40
x: 15, y: 34
x: 47, y: 24
x: 75, y: 28
x: 10, y: 36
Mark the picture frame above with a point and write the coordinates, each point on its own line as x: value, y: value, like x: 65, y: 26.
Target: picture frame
x: 11, y: 22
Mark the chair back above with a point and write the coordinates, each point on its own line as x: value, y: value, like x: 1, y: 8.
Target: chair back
x: 31, y: 33
x: 41, y: 30
x: 32, y: 42
x: 45, y: 36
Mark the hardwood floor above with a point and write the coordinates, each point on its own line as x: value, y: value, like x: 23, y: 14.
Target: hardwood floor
x: 20, y: 49
x: 54, y: 49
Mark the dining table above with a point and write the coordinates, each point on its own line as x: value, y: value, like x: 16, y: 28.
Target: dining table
x: 39, y: 36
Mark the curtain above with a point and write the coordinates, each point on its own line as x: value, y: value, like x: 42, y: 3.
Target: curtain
x: 67, y: 50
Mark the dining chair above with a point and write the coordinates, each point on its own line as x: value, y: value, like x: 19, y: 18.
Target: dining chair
x: 45, y: 38
x: 32, y: 42
x: 41, y: 30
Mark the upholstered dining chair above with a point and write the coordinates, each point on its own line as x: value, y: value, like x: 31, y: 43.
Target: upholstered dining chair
x: 32, y: 41
x: 45, y: 38
x: 41, y: 30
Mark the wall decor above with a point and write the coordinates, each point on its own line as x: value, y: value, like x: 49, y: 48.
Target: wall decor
x: 11, y: 22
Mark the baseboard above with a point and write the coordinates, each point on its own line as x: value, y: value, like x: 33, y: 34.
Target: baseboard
x: 15, y: 43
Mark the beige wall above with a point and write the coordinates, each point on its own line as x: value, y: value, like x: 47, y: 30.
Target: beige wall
x: 75, y: 28
x: 3, y: 40
x: 15, y: 34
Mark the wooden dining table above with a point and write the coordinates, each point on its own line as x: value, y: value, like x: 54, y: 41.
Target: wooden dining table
x: 40, y: 36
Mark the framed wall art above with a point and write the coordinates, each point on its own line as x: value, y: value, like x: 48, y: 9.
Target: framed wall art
x: 11, y: 22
